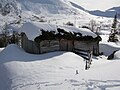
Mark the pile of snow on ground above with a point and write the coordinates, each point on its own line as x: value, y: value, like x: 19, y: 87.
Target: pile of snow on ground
x: 117, y: 55
x: 55, y: 71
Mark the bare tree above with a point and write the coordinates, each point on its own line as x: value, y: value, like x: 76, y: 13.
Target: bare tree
x: 93, y: 25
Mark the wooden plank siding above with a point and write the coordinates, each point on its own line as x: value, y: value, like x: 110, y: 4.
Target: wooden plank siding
x: 88, y: 45
x: 66, y: 45
x: 28, y: 45
x: 56, y: 45
x: 49, y: 46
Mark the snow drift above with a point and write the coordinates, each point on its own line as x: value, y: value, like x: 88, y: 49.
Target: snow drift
x: 117, y: 55
x: 18, y: 68
x: 14, y: 52
x: 54, y: 71
x: 108, y: 49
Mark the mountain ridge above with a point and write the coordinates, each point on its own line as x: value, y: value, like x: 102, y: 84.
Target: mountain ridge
x: 107, y: 13
x: 47, y: 6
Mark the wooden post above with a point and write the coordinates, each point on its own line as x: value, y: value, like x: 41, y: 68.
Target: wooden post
x: 90, y: 56
x: 86, y: 66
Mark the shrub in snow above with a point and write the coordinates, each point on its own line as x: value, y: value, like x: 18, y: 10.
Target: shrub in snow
x: 14, y: 39
x: 2, y: 42
x: 9, y: 6
x: 85, y: 27
x: 69, y: 24
x: 113, y: 37
x: 93, y: 25
x: 6, y: 9
x: 77, y: 72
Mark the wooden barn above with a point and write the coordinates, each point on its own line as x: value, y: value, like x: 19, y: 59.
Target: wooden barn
x: 42, y: 38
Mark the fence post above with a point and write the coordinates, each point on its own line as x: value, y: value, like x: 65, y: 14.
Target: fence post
x: 87, y: 56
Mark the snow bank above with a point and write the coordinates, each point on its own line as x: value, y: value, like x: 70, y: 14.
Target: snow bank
x: 12, y: 52
x: 55, y: 71
x: 104, y: 32
x: 108, y: 49
x: 117, y: 55
x: 32, y: 30
x: 18, y: 70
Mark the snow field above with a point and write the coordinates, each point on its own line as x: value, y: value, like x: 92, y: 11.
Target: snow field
x: 55, y: 71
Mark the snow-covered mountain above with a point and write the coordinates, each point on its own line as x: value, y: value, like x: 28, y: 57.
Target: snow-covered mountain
x: 58, y: 9
x: 52, y: 7
x: 107, y: 13
x: 37, y: 7
x: 47, y: 6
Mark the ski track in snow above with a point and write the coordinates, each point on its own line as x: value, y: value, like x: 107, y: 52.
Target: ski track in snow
x: 70, y: 84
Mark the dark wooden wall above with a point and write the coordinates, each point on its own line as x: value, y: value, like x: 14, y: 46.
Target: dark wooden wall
x: 55, y: 45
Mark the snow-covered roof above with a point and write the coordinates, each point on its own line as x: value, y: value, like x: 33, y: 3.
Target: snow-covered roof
x: 83, y: 31
x: 32, y: 30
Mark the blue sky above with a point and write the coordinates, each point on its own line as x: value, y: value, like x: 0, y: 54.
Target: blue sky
x: 98, y: 4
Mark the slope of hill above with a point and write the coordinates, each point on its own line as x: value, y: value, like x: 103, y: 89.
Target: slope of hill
x: 47, y: 6
x: 77, y: 6
x: 50, y: 10
x: 108, y: 13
